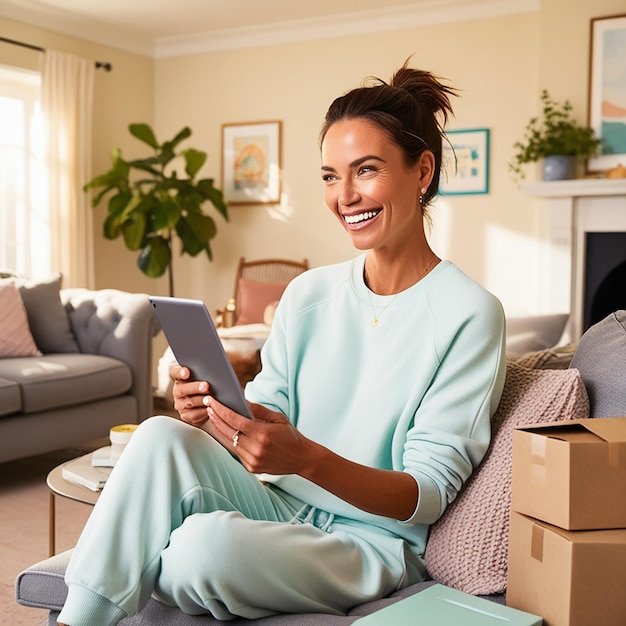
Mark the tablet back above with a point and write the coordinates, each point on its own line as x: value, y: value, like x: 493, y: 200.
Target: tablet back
x: 192, y: 335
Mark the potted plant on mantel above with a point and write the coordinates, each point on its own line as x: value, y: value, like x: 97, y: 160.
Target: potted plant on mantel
x: 556, y: 138
x: 157, y: 203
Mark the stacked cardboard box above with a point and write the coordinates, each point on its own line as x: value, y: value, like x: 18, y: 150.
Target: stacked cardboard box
x: 567, y: 543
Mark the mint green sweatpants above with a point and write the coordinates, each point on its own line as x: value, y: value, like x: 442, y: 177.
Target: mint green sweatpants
x: 180, y: 518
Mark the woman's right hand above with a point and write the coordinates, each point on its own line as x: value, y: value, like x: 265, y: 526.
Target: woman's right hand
x: 188, y: 396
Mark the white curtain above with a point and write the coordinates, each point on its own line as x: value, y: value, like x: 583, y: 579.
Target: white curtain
x: 67, y: 99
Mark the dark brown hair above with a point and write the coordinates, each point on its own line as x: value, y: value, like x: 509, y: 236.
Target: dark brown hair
x: 412, y: 109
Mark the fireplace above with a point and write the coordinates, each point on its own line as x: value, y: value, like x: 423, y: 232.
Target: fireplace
x: 586, y: 258
x: 605, y: 276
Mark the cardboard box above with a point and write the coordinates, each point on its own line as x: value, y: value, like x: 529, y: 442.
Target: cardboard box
x: 439, y: 605
x: 572, y: 474
x: 570, y: 578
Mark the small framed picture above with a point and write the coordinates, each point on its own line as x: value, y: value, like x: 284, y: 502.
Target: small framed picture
x: 607, y: 90
x: 465, y: 162
x: 251, y: 162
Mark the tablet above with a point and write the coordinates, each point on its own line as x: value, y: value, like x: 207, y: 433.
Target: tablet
x: 191, y: 333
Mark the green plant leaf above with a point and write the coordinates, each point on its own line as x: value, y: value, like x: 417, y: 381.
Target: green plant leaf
x: 164, y: 215
x: 181, y: 136
x: 144, y: 133
x: 134, y: 230
x: 195, y: 230
x: 111, y: 227
x: 213, y: 195
x: 118, y: 203
x: 203, y: 226
x: 194, y: 160
x: 155, y: 257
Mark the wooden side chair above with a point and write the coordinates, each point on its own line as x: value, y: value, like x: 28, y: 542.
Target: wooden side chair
x: 258, y: 284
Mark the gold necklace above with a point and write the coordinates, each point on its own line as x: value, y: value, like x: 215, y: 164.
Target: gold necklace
x: 377, y: 315
x: 376, y: 318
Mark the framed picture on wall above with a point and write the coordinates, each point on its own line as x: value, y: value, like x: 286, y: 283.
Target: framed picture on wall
x: 607, y: 90
x: 465, y: 162
x: 251, y: 162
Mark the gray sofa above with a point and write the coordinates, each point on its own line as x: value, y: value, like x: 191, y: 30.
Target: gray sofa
x: 95, y: 370
x: 467, y: 547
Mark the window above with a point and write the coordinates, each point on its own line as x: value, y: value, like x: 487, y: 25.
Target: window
x: 24, y: 213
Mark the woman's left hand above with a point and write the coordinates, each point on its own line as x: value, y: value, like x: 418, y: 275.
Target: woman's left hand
x: 268, y: 444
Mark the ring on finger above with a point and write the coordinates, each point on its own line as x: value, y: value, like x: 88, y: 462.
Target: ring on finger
x: 236, y: 438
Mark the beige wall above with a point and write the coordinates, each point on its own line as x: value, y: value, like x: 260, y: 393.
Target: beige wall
x: 499, y: 64
x: 494, y: 64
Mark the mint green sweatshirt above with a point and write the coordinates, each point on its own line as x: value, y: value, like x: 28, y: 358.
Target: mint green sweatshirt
x: 413, y: 394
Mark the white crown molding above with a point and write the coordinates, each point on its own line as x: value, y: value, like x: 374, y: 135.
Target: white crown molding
x: 49, y: 18
x: 422, y: 13
x: 378, y: 20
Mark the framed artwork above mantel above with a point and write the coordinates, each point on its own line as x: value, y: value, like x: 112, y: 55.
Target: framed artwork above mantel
x: 251, y: 162
x: 607, y: 90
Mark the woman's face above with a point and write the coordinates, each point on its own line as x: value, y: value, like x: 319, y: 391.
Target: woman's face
x: 369, y: 187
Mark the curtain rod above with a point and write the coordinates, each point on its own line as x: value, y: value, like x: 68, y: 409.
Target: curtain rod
x: 99, y: 64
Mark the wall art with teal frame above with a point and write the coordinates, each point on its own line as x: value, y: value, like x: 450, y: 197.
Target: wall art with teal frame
x: 465, y: 162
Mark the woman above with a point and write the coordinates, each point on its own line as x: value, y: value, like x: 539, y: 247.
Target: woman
x: 372, y: 409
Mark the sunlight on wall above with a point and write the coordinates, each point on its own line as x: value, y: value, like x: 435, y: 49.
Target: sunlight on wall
x: 512, y: 268
x: 440, y: 234
x: 522, y: 270
x: 283, y: 211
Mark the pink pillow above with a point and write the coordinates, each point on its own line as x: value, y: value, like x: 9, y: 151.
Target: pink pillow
x: 15, y: 336
x: 254, y: 296
x: 468, y: 547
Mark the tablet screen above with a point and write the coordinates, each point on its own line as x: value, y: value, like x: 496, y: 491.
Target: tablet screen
x: 192, y: 335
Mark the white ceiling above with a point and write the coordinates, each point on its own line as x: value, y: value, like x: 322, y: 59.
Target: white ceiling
x: 171, y: 27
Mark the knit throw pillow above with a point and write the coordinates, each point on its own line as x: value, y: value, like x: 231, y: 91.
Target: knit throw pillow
x: 15, y: 337
x: 467, y: 548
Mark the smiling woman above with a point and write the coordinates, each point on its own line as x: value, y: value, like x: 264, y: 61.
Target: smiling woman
x: 364, y: 428
x: 379, y: 189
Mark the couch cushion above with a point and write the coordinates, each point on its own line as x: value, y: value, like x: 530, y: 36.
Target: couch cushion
x: 15, y: 337
x: 42, y: 585
x: 601, y: 359
x: 10, y: 397
x: 467, y: 548
x: 535, y: 332
x: 47, y: 317
x: 57, y: 380
x: 557, y: 358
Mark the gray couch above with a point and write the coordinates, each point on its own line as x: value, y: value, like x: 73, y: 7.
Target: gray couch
x: 597, y: 366
x: 95, y: 370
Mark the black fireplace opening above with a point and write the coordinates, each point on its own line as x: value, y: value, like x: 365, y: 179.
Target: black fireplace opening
x: 605, y: 275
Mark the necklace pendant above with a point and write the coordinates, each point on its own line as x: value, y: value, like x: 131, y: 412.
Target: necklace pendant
x: 375, y: 322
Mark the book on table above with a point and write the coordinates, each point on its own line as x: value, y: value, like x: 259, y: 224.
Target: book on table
x: 82, y: 471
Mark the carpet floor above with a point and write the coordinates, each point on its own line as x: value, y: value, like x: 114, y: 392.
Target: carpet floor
x: 24, y: 525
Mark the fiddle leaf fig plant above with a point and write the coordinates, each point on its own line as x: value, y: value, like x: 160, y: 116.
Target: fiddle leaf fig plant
x: 149, y: 202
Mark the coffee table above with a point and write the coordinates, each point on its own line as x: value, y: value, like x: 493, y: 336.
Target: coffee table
x: 60, y: 487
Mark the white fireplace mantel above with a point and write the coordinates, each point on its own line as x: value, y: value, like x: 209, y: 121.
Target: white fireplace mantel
x: 579, y: 188
x: 575, y: 207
